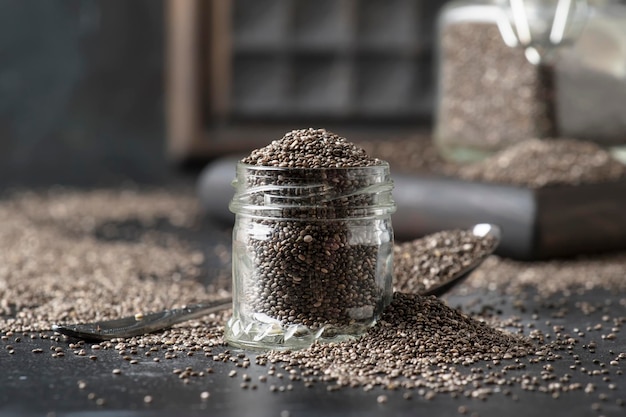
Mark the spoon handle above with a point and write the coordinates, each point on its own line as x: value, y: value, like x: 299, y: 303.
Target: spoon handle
x: 140, y: 324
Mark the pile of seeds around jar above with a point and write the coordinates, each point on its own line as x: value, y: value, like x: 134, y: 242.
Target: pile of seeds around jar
x: 307, y: 268
x: 426, y: 263
x: 413, y: 334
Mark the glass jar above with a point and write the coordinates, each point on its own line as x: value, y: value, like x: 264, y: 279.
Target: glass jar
x: 490, y: 95
x: 312, y: 254
x: 495, y: 88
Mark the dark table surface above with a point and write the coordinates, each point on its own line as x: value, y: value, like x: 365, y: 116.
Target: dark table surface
x: 36, y: 384
x: 39, y: 385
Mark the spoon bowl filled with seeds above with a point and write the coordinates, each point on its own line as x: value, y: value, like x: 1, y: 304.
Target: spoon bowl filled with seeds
x: 435, y: 264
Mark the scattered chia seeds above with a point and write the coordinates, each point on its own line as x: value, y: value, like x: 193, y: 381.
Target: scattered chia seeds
x: 531, y: 163
x: 428, y: 262
x: 58, y: 265
x: 567, y: 277
x: 414, y: 334
x: 71, y: 254
x: 412, y: 154
x: 537, y: 163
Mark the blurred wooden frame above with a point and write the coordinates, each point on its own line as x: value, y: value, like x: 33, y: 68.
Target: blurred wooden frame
x: 188, y: 50
x: 198, y: 82
x: 198, y: 89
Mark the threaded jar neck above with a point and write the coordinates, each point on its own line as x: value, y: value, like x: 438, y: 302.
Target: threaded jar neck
x: 313, y: 193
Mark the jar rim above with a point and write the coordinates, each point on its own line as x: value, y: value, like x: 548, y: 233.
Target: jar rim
x: 382, y: 165
x: 313, y: 193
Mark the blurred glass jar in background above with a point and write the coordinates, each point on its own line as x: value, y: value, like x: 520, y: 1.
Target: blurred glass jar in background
x: 592, y: 80
x: 512, y: 70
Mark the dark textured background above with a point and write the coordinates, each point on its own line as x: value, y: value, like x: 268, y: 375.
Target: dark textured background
x: 81, y: 92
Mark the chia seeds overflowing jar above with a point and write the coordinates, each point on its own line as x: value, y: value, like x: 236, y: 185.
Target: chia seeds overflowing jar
x: 312, y: 242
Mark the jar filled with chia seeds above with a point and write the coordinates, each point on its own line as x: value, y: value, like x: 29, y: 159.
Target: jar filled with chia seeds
x: 312, y: 242
x: 496, y: 72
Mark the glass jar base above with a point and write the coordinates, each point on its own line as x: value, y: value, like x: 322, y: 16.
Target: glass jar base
x: 262, y: 335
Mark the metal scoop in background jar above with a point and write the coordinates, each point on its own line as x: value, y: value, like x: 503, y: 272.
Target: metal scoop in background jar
x: 541, y: 26
x: 140, y: 324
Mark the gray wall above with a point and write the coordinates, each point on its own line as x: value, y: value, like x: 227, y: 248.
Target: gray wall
x: 81, y: 96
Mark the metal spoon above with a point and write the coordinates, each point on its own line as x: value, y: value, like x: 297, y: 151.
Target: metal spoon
x: 140, y: 324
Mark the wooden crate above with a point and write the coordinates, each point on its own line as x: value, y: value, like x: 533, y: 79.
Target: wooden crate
x: 241, y: 73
